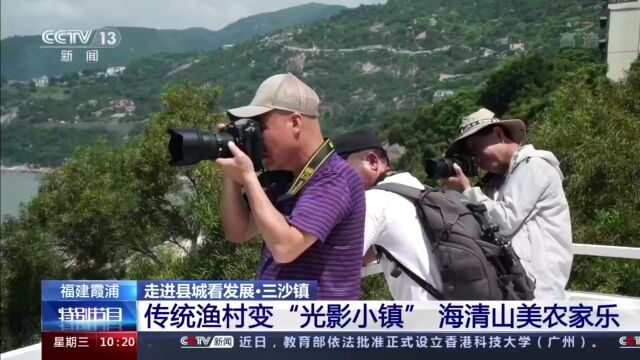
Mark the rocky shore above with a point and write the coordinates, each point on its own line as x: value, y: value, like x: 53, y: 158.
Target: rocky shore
x: 25, y: 168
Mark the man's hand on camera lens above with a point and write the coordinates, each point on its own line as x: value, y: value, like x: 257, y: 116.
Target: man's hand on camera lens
x: 459, y: 182
x: 239, y: 168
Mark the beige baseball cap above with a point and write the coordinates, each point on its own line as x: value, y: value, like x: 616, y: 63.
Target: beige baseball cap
x: 282, y: 91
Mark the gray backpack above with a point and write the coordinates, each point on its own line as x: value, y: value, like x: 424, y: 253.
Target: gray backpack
x: 474, y: 262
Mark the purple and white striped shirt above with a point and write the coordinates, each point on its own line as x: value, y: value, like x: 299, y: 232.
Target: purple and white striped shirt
x: 331, y: 206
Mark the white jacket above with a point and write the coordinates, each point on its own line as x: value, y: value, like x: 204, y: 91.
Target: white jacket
x: 530, y: 207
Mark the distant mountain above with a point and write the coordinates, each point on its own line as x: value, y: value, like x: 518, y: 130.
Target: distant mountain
x: 368, y: 64
x: 22, y: 58
x: 372, y: 61
x: 246, y: 28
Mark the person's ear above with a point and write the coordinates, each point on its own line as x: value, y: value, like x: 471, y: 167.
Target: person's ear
x: 372, y: 159
x: 296, y: 123
x: 499, y: 133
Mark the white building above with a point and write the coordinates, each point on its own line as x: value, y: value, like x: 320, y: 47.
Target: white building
x: 517, y: 47
x: 590, y: 40
x: 42, y: 81
x: 115, y: 71
x: 623, y: 40
x: 441, y: 94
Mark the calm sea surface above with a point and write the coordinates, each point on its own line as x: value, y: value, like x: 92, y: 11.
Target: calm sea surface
x: 17, y: 187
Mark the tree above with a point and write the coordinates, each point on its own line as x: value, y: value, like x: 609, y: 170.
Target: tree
x: 122, y: 212
x: 26, y: 257
x: 512, y: 79
x: 593, y: 127
x: 522, y: 87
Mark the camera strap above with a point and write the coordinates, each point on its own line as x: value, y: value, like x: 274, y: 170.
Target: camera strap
x: 317, y: 159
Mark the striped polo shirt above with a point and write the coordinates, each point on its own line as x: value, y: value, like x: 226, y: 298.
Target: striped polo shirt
x: 331, y: 206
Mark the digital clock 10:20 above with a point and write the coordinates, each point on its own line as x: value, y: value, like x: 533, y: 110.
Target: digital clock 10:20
x: 116, y: 341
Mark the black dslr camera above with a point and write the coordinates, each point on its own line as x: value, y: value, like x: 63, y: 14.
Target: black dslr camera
x: 190, y: 146
x: 443, y: 167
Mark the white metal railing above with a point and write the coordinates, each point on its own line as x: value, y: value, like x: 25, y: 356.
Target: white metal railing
x: 607, y: 251
x: 621, y: 252
x: 34, y: 352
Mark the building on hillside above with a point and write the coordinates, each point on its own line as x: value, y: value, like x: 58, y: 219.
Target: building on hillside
x: 622, y: 45
x: 517, y: 47
x: 115, y: 71
x: 590, y: 40
x: 42, y: 81
x: 441, y: 94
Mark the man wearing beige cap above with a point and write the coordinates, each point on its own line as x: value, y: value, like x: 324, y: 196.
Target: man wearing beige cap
x: 524, y: 196
x: 313, y: 227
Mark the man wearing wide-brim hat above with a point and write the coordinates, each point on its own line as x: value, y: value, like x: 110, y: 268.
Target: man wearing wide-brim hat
x: 525, y: 196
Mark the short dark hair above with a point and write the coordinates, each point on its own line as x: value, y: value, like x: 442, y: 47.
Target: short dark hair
x: 380, y: 153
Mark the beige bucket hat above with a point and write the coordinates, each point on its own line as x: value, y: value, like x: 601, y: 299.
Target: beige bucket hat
x: 479, y: 120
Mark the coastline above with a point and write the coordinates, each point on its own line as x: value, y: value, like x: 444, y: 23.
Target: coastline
x: 25, y: 168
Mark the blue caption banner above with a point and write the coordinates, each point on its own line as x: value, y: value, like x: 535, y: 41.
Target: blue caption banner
x: 89, y: 305
x: 89, y: 290
x: 227, y: 290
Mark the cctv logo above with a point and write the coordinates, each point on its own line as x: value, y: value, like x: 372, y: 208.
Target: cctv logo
x: 629, y: 342
x: 214, y: 342
x: 102, y: 38
x: 66, y: 37
x: 195, y: 341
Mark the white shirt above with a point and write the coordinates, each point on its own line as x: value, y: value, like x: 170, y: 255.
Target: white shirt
x: 392, y: 222
x: 531, y: 209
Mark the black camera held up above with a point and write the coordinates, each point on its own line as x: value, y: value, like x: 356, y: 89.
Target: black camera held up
x: 190, y: 146
x: 443, y: 167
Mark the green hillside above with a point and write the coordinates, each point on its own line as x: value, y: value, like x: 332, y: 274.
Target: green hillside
x: 22, y: 57
x: 367, y: 64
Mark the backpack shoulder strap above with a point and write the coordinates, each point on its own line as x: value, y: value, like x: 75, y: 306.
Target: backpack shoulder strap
x: 414, y: 195
x: 420, y: 281
x: 401, y: 189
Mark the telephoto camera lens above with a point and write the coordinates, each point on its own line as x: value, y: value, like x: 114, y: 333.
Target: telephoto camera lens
x: 190, y: 146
